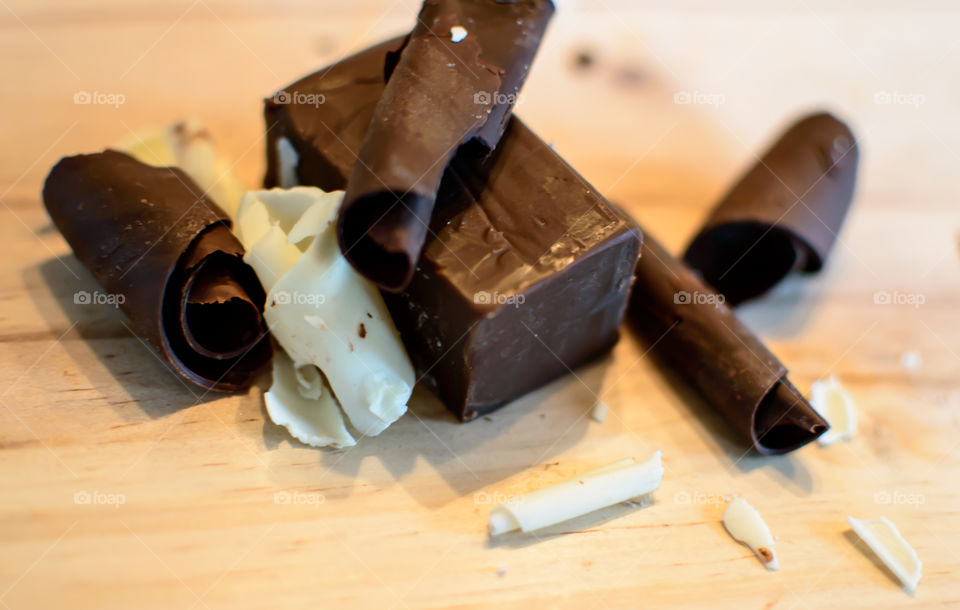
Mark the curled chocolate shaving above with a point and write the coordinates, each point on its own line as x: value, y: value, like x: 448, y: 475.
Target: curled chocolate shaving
x: 690, y: 328
x: 150, y: 236
x: 783, y: 214
x: 446, y: 88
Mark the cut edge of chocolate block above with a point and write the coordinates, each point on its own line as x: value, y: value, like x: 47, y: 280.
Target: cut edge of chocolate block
x: 325, y: 160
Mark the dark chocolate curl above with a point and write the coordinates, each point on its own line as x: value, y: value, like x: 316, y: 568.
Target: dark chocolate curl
x: 443, y: 92
x: 783, y: 215
x: 527, y: 271
x: 697, y: 335
x: 151, y: 238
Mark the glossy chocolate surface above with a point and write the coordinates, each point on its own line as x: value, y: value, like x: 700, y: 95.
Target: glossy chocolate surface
x: 688, y: 326
x: 455, y: 80
x: 784, y: 213
x: 527, y: 270
x: 152, y: 239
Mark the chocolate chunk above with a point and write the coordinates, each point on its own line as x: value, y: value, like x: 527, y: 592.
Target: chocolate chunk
x: 455, y: 79
x: 688, y: 325
x: 150, y: 236
x: 783, y: 215
x: 526, y: 272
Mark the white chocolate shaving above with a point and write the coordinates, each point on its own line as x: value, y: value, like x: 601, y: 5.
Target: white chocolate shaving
x: 832, y: 401
x: 319, y: 309
x: 580, y: 495
x: 287, y: 162
x: 745, y: 525
x: 299, y: 401
x: 457, y: 33
x: 882, y: 537
x: 599, y: 412
x: 188, y: 145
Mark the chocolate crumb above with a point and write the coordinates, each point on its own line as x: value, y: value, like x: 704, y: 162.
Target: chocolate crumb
x: 765, y: 554
x: 583, y: 60
x: 362, y: 331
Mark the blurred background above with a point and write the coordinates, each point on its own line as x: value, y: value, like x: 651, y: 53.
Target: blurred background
x: 603, y: 87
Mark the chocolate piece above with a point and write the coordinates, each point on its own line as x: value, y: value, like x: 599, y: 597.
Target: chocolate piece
x: 528, y: 268
x: 456, y: 79
x: 149, y: 234
x: 783, y: 215
x: 691, y: 329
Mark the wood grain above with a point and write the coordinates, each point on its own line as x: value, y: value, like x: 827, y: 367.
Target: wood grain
x: 399, y: 521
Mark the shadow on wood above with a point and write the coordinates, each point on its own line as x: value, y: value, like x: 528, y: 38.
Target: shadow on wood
x: 151, y: 383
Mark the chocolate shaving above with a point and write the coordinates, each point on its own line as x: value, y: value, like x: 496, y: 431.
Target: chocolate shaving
x: 691, y: 329
x: 443, y: 92
x: 149, y: 234
x: 784, y: 213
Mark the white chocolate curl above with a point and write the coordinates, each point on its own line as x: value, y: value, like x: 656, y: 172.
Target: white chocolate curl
x: 595, y: 489
x: 299, y: 401
x: 188, y: 145
x: 744, y: 523
x: 320, y: 310
x: 832, y: 401
x: 883, y: 538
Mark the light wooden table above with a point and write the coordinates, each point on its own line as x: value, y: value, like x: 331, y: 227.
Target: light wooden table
x: 182, y: 486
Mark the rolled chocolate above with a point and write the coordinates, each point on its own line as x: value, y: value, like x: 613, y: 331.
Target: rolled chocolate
x: 691, y: 329
x: 784, y: 213
x: 150, y: 236
x: 527, y: 270
x: 455, y: 79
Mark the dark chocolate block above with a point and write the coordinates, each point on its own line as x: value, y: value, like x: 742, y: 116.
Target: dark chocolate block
x: 783, y: 214
x: 528, y: 272
x: 443, y: 90
x: 691, y: 329
x: 164, y: 251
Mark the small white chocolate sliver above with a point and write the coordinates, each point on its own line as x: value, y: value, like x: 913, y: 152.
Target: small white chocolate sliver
x: 832, y: 401
x: 580, y: 495
x: 911, y: 360
x: 287, y: 162
x: 599, y: 412
x: 457, y: 33
x: 882, y: 537
x: 745, y: 525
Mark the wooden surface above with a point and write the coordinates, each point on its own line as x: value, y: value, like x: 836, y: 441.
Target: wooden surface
x: 182, y: 485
